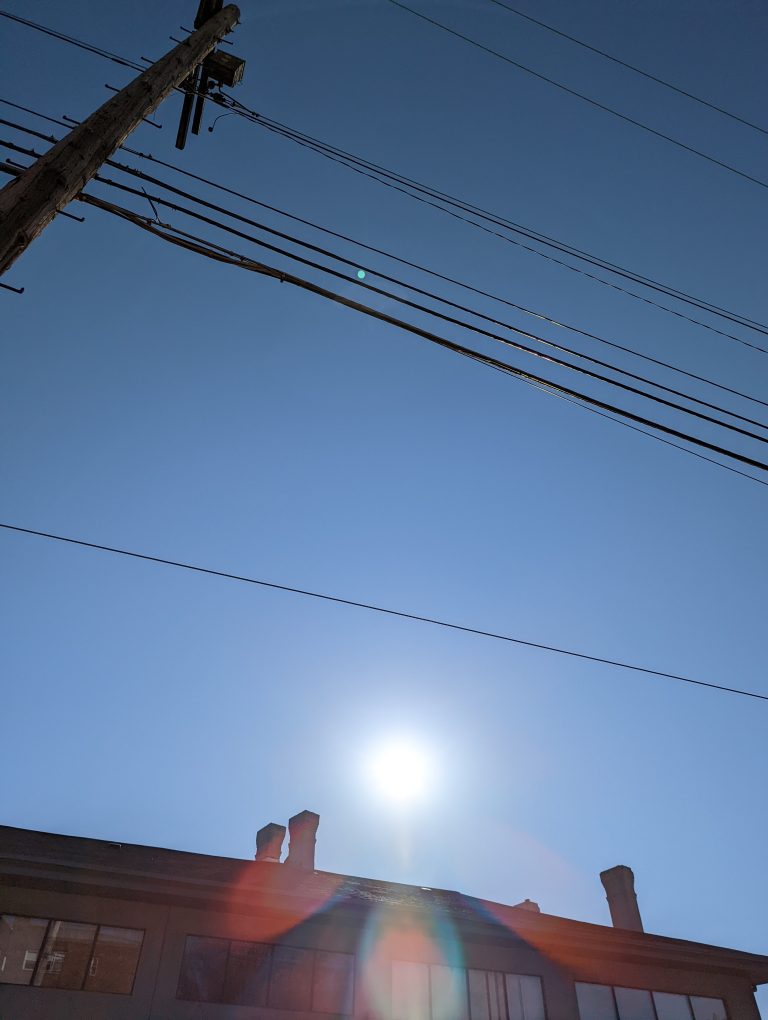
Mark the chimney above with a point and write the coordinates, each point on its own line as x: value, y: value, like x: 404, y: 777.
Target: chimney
x: 528, y: 905
x: 269, y: 842
x: 619, y: 884
x: 301, y: 849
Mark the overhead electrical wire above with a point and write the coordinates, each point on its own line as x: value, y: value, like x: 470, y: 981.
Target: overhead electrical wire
x: 552, y: 359
x: 631, y: 67
x: 405, y: 262
x: 372, y: 607
x: 217, y: 252
x: 209, y: 250
x: 73, y: 41
x: 355, y: 163
x: 199, y: 245
x: 580, y: 95
x: 159, y: 200
x: 418, y: 192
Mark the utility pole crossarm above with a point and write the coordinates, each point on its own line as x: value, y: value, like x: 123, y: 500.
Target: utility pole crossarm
x: 29, y: 203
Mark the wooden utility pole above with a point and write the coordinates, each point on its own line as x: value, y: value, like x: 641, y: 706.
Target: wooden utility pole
x: 29, y: 203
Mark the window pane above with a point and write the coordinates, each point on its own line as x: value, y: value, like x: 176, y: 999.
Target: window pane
x: 247, y: 979
x: 202, y: 969
x: 672, y: 1007
x: 449, y: 993
x: 595, y: 1002
x: 115, y: 957
x: 514, y: 997
x: 332, y: 986
x: 497, y: 996
x: 708, y: 1009
x: 532, y: 997
x: 634, y: 1004
x: 66, y: 955
x: 291, y: 983
x: 410, y: 991
x: 478, y: 994
x: 20, y: 941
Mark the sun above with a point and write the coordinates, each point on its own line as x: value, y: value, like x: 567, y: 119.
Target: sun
x: 401, y: 771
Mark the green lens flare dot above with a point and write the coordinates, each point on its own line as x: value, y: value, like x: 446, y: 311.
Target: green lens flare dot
x: 361, y: 274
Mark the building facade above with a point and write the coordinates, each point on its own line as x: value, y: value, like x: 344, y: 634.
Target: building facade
x: 92, y: 929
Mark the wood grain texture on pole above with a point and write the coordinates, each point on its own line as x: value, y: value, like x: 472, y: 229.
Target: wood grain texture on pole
x: 29, y: 203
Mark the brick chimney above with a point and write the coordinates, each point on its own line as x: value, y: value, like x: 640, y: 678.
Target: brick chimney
x: 619, y: 884
x: 528, y: 905
x: 301, y: 848
x: 269, y: 842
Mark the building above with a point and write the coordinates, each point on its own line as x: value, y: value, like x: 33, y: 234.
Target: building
x: 93, y: 929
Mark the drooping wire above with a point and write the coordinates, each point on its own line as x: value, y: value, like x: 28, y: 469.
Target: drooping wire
x: 630, y: 67
x: 422, y: 308
x: 450, y: 207
x: 440, y: 315
x: 357, y: 164
x: 405, y: 262
x: 210, y: 250
x: 580, y: 95
x: 372, y: 607
x: 447, y: 318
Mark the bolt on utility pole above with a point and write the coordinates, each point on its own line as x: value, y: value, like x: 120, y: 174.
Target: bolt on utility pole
x: 29, y: 203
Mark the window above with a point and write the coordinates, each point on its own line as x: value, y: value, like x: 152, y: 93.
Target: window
x: 256, y: 974
x: 602, y: 1002
x: 333, y: 983
x: 20, y: 941
x: 247, y: 976
x: 68, y: 954
x: 113, y: 964
x: 634, y: 1004
x: 423, y: 991
x: 672, y: 1007
x: 596, y: 1002
x: 707, y: 1009
x: 290, y: 986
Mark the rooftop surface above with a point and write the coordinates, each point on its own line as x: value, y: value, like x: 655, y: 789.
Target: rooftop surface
x: 101, y: 867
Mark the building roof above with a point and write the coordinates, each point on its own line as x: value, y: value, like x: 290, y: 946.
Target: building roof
x: 131, y: 871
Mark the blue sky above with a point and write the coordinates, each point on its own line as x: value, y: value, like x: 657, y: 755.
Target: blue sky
x: 160, y: 402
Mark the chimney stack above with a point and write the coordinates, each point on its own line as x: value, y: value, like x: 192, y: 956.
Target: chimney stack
x: 301, y: 848
x: 619, y: 884
x: 528, y: 905
x: 269, y: 842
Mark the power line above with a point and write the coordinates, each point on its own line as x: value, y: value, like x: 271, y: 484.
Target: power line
x: 196, y: 244
x: 422, y: 308
x: 325, y: 252
x: 659, y: 439
x: 631, y: 67
x: 580, y: 95
x: 210, y: 250
x: 224, y: 255
x: 405, y: 262
x: 355, y: 163
x: 79, y: 43
x: 418, y: 192
x: 521, y: 347
x: 402, y: 614
x: 446, y: 318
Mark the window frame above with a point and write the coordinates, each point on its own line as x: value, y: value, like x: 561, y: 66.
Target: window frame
x: 272, y: 946
x: 636, y: 988
x: 480, y: 970
x: 41, y: 955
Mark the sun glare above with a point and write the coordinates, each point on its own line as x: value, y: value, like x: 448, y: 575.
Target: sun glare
x: 401, y: 771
